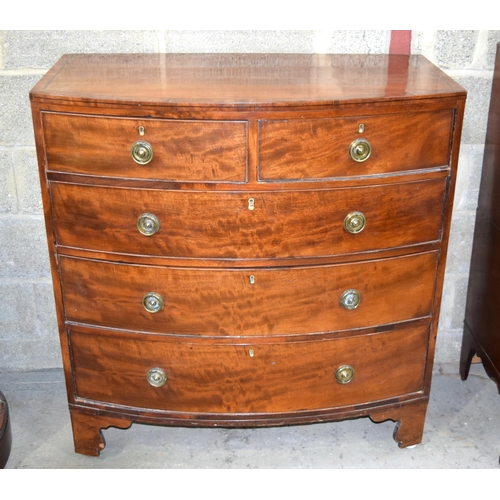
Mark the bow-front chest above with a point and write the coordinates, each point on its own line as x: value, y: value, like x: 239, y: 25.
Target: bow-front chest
x: 247, y: 240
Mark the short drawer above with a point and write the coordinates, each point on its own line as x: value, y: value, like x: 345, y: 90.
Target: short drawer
x: 317, y: 149
x: 259, y: 301
x: 207, y: 376
x: 253, y: 225
x: 182, y: 150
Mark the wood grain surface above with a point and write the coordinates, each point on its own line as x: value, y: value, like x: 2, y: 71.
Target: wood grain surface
x: 315, y: 149
x: 198, y: 150
x: 214, y: 225
x: 279, y: 377
x: 209, y: 302
x: 238, y: 80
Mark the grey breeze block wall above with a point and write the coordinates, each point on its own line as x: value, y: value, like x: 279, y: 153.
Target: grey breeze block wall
x: 28, y: 331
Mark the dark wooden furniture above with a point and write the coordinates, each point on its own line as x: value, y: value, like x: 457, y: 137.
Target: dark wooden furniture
x: 5, y: 432
x: 482, y: 315
x: 247, y: 240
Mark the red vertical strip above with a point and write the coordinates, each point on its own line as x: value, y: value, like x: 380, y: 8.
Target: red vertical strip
x: 400, y: 42
x: 397, y: 68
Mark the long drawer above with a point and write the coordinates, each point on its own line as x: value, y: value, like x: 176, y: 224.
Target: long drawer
x: 249, y: 225
x: 207, y: 376
x: 319, y: 148
x: 210, y: 302
x: 182, y: 150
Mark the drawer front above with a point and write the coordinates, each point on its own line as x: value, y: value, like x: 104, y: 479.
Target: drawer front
x: 316, y: 149
x: 248, y: 302
x: 253, y: 378
x: 182, y: 150
x: 255, y: 225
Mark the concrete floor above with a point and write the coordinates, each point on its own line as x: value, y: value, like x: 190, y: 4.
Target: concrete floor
x: 462, y: 431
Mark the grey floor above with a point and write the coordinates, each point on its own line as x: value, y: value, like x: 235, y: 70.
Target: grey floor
x: 462, y: 431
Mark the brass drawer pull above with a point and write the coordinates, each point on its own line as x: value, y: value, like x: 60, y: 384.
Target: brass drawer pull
x: 350, y: 299
x: 360, y: 150
x: 148, y: 224
x: 354, y: 222
x: 142, y: 152
x: 344, y: 374
x: 156, y: 377
x: 153, y: 302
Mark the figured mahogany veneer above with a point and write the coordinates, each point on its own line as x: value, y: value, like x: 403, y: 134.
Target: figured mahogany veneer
x: 183, y: 150
x: 225, y: 302
x: 315, y: 149
x: 212, y: 377
x: 281, y: 300
x: 216, y: 225
x: 279, y: 280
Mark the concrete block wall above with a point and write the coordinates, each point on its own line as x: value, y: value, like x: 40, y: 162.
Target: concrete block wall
x: 28, y: 332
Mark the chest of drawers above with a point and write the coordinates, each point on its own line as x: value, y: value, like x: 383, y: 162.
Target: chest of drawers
x: 481, y: 333
x: 246, y: 240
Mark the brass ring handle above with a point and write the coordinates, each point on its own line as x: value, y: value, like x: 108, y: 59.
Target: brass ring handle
x: 156, y: 377
x: 344, y: 374
x: 355, y: 222
x: 142, y: 152
x: 350, y: 299
x: 360, y: 150
x: 153, y: 302
x: 148, y: 224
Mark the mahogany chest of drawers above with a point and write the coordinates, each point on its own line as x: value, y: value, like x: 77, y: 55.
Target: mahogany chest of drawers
x: 482, y: 314
x: 247, y: 240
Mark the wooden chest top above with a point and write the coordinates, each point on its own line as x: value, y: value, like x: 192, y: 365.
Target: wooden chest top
x: 243, y: 80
